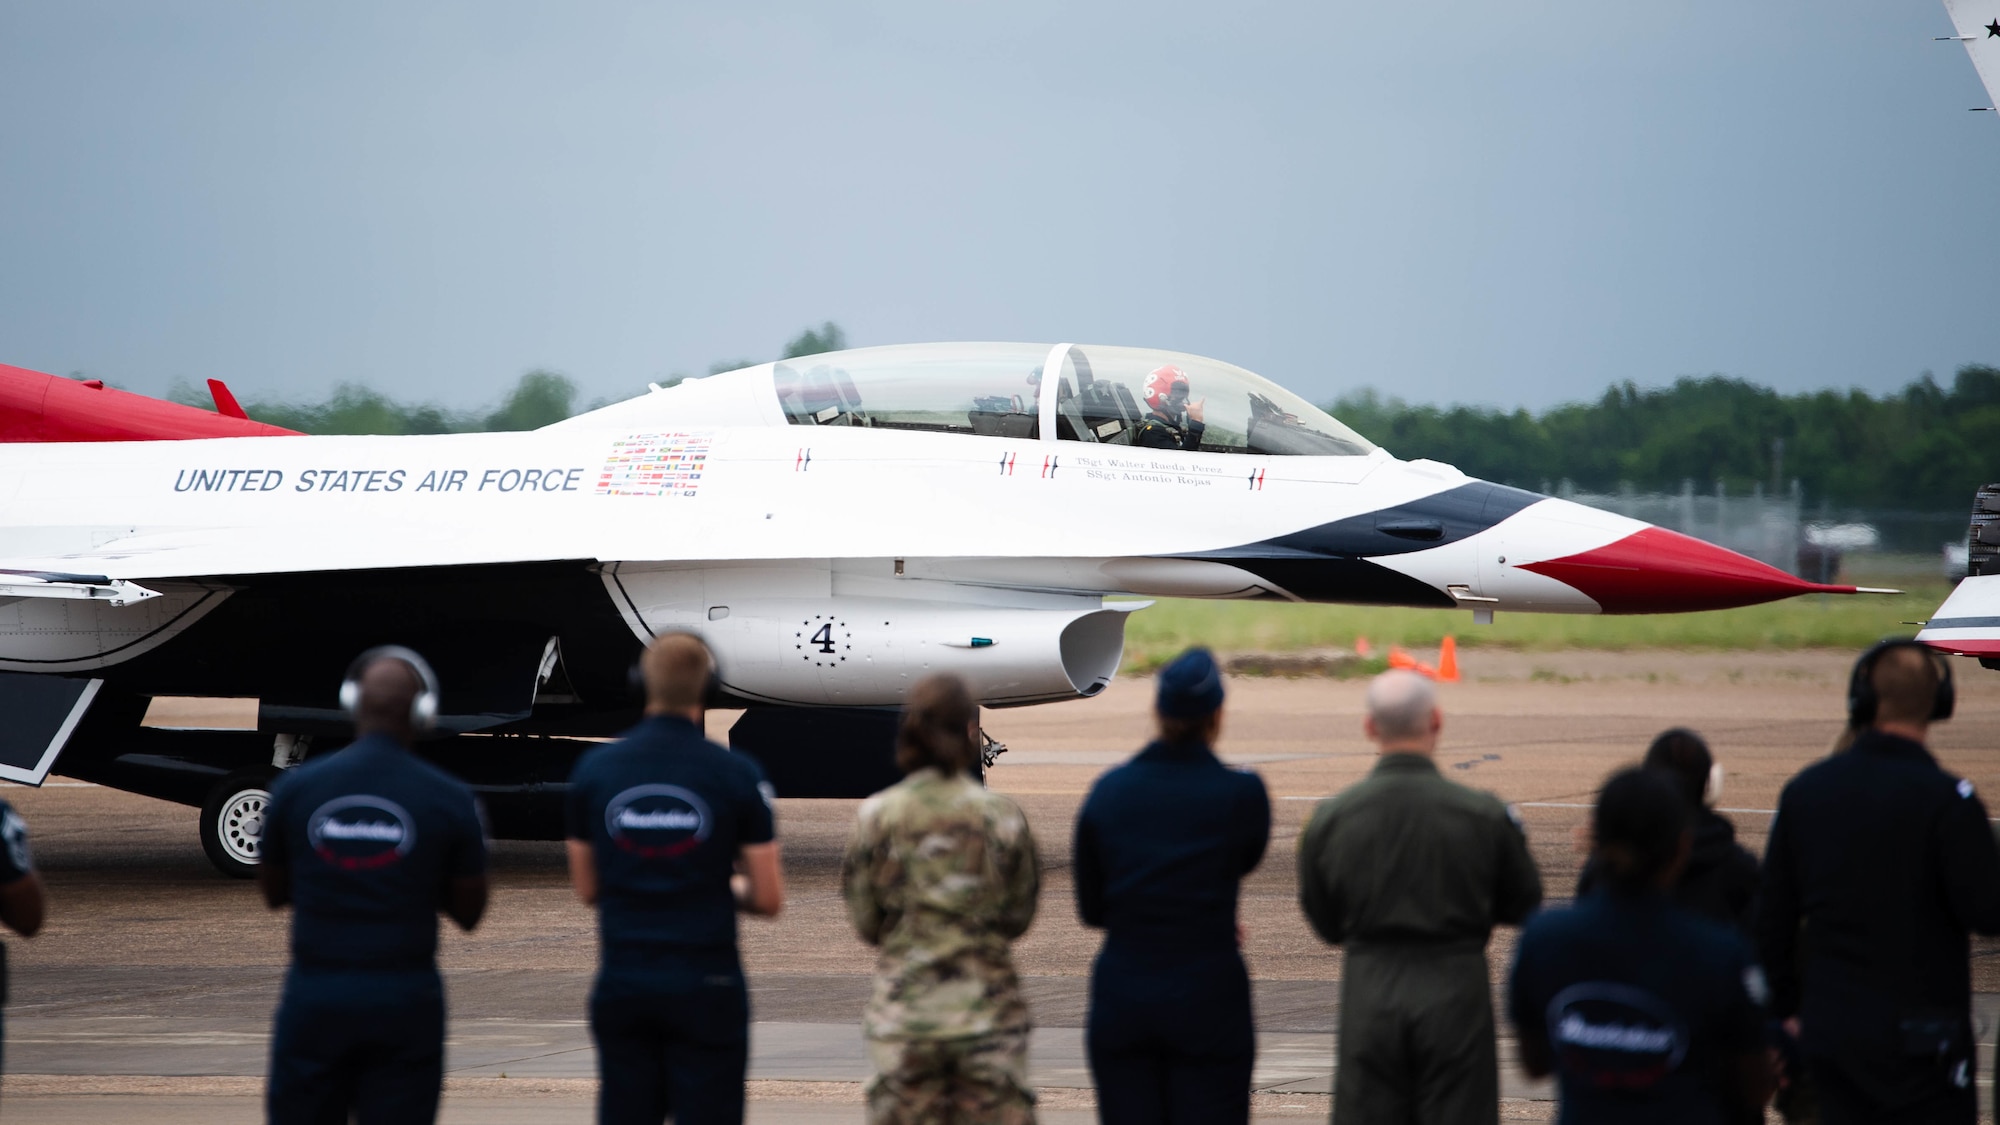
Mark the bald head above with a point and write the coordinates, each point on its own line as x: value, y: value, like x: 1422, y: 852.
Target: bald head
x: 1403, y: 716
x: 388, y: 686
x: 676, y: 668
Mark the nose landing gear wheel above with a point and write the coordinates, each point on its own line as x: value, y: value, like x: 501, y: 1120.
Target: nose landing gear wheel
x: 232, y: 822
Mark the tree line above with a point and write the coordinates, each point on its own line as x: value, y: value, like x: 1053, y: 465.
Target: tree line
x: 1924, y: 448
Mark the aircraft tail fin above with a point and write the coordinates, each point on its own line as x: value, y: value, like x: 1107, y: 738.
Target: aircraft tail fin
x: 225, y: 403
x: 1978, y: 24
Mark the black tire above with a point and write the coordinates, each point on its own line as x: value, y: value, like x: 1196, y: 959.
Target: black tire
x: 1982, y: 547
x: 232, y: 821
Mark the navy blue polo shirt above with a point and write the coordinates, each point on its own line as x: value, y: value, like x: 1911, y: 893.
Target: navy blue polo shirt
x: 665, y: 812
x: 1646, y: 1008
x: 1162, y: 845
x: 1879, y: 863
x: 372, y: 835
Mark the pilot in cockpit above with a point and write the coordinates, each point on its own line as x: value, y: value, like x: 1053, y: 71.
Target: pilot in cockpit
x: 1172, y: 421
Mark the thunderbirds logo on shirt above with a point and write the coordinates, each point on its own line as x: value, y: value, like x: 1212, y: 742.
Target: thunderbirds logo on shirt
x: 1614, y: 1036
x: 361, y: 832
x: 657, y: 821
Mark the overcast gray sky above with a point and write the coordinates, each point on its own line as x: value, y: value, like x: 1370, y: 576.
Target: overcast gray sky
x: 1507, y: 204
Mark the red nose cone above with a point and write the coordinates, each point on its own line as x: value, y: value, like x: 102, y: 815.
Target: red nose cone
x: 1661, y: 571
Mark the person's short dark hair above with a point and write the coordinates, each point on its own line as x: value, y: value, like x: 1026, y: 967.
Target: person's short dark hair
x: 1906, y: 684
x: 388, y: 687
x: 1639, y: 820
x: 676, y: 668
x: 1682, y: 753
x: 1184, y: 731
x: 936, y: 730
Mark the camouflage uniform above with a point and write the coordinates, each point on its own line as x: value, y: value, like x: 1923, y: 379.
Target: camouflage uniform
x: 942, y: 874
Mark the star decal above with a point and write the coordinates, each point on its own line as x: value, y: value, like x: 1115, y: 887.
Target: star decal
x: 1993, y: 30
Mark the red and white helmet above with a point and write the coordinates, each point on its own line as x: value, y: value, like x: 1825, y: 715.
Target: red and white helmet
x: 1160, y: 385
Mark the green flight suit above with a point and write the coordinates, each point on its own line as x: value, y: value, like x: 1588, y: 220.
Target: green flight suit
x: 1410, y: 872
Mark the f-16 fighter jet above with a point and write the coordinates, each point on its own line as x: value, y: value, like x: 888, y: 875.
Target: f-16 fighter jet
x: 835, y: 527
x: 1968, y: 623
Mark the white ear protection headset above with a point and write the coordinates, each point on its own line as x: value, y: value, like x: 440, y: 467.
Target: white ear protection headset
x: 423, y: 708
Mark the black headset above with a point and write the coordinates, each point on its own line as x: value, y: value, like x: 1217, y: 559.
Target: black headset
x: 423, y: 707
x: 1862, y: 700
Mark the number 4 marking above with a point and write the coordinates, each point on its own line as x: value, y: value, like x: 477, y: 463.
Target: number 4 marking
x: 824, y: 638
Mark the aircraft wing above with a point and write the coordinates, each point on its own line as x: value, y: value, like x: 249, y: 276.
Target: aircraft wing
x: 38, y: 407
x: 1968, y: 623
x: 222, y: 552
x: 1978, y: 24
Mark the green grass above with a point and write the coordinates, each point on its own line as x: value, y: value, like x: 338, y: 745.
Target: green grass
x: 1154, y: 635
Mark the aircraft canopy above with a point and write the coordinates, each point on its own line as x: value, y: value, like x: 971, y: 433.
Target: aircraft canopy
x: 1099, y: 394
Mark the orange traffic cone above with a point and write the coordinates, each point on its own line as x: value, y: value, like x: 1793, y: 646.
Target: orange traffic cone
x: 1403, y: 660
x: 1448, y: 661
x: 1362, y: 648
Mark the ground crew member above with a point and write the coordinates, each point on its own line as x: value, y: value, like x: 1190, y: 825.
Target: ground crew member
x: 1162, y: 845
x: 670, y: 836
x: 367, y: 845
x: 20, y: 887
x: 1171, y: 421
x: 1410, y: 872
x: 1648, y: 1013
x: 942, y: 874
x: 1719, y: 880
x: 1885, y: 862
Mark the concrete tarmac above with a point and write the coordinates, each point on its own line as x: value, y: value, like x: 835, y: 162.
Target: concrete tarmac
x: 152, y: 988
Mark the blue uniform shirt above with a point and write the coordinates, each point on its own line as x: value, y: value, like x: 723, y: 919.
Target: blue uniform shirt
x: 665, y: 812
x: 1879, y: 863
x: 1162, y: 844
x: 1646, y: 1008
x: 372, y: 836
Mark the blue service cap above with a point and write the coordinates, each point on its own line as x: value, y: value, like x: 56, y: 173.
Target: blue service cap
x: 1191, y: 686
